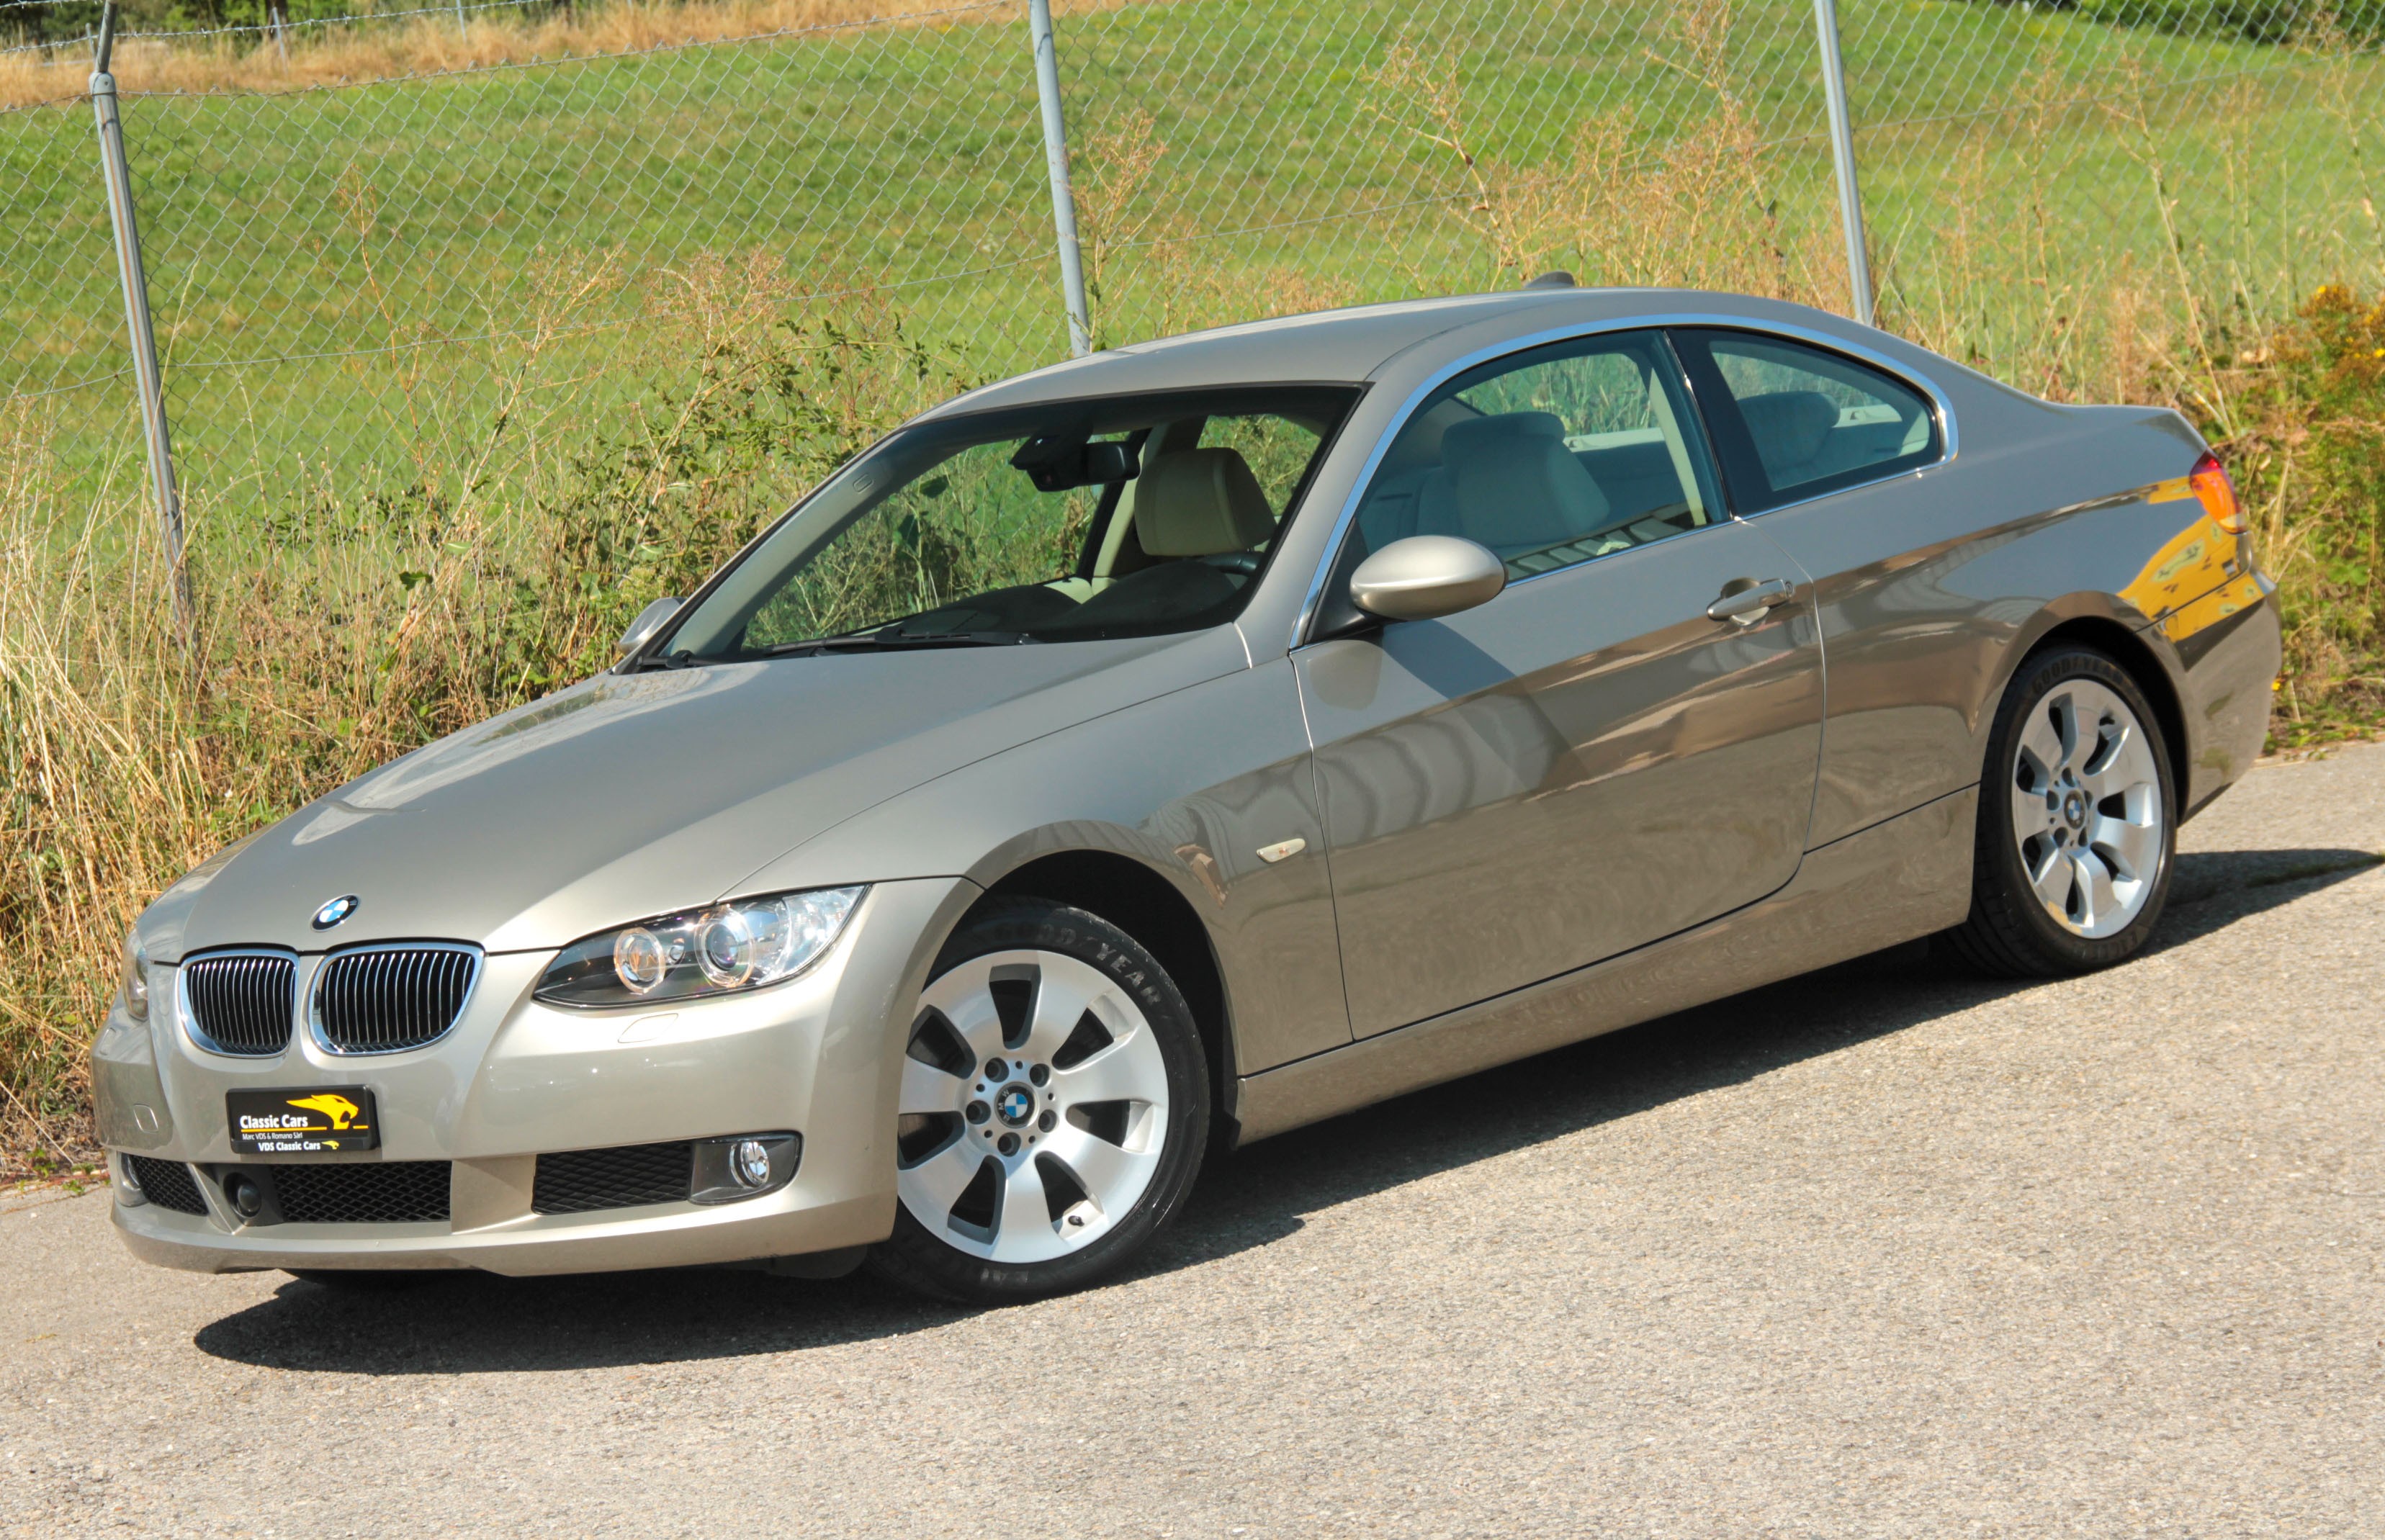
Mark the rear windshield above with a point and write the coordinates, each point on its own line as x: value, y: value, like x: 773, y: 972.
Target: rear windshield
x: 1120, y: 515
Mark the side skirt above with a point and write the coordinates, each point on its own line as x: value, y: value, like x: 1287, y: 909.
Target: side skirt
x: 1906, y: 878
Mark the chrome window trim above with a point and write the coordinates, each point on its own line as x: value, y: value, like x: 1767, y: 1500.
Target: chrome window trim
x: 315, y: 985
x: 189, y: 1022
x: 1527, y: 341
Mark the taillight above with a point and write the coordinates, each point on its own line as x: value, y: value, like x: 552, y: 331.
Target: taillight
x: 2210, y: 483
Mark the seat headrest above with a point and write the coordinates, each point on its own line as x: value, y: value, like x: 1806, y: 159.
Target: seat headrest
x: 1200, y: 503
x: 1788, y: 426
x: 1501, y: 433
x: 1509, y: 482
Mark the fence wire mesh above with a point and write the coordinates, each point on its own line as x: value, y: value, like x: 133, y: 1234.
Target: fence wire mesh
x: 2055, y: 187
x: 61, y: 309
x: 353, y: 279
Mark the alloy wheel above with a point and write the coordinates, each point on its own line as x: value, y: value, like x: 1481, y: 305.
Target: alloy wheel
x: 2087, y: 809
x: 1034, y: 1109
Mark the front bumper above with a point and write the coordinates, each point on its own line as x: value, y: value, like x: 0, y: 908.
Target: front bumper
x: 819, y: 1055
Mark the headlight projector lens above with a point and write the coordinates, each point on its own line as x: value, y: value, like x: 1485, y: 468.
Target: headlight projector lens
x: 639, y: 961
x: 739, y: 944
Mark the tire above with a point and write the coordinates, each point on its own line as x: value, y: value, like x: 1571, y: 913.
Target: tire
x: 1046, y: 1175
x: 2077, y: 827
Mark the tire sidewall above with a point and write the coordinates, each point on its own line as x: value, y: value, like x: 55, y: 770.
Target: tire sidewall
x: 1999, y: 843
x: 915, y: 1257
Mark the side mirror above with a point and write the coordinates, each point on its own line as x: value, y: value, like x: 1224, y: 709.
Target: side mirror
x: 649, y: 620
x: 1426, y: 576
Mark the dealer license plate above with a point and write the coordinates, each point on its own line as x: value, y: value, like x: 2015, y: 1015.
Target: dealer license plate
x: 302, y: 1122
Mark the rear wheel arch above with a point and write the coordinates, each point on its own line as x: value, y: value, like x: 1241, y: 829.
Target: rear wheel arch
x: 2128, y: 648
x: 1148, y: 907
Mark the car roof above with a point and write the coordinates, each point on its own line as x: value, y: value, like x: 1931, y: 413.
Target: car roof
x: 1357, y: 344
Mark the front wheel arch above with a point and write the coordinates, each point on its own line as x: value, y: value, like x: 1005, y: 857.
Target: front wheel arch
x: 1149, y: 908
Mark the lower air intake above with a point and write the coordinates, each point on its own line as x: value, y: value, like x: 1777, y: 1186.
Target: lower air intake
x: 167, y: 1184
x: 626, y: 1176
x: 384, y: 1192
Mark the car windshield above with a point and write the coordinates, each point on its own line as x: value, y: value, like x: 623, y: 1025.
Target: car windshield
x: 1067, y: 521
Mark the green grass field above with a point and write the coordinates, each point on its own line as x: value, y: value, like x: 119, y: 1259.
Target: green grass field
x: 351, y: 283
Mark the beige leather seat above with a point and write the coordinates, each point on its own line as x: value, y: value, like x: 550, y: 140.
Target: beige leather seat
x: 1200, y: 503
x: 1790, y: 428
x: 1507, y: 481
x: 1200, y: 514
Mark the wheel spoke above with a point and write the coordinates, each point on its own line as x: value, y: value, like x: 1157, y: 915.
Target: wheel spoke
x: 2030, y: 812
x: 2129, y: 848
x: 2120, y: 769
x: 1100, y: 1167
x: 2097, y: 902
x: 929, y: 1089
x: 1129, y: 1070
x: 2053, y: 735
x: 963, y: 999
x: 1024, y: 1218
x: 1063, y: 992
x: 937, y: 1183
x: 2053, y: 880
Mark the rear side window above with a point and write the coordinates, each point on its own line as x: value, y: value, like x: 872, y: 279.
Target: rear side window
x: 1793, y: 422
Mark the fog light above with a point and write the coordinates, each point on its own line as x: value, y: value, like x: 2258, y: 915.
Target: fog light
x: 743, y: 1165
x: 247, y: 1198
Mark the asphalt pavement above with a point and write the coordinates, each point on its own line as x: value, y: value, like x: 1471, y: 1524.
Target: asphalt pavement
x: 1892, y: 1250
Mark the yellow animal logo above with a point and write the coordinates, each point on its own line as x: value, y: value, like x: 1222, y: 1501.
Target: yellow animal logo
x: 339, y: 1109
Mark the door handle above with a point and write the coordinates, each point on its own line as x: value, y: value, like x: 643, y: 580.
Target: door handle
x: 1746, y: 599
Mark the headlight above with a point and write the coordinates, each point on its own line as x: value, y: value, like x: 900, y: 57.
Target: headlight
x: 134, y: 982
x: 743, y: 944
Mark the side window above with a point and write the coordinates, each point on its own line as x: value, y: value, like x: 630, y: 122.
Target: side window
x: 1549, y: 458
x: 1795, y: 422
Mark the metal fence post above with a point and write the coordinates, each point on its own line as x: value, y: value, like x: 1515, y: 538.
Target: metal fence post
x: 135, y: 283
x: 1842, y: 153
x: 1055, y: 160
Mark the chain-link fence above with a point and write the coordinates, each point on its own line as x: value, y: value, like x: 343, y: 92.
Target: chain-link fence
x: 354, y: 283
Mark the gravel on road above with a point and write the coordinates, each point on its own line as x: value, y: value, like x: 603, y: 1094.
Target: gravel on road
x: 1891, y: 1250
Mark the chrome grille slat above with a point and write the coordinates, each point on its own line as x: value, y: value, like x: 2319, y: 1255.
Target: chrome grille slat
x: 240, y: 1002
x: 387, y: 999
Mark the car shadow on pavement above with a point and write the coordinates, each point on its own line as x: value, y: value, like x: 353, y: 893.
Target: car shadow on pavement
x: 469, y: 1323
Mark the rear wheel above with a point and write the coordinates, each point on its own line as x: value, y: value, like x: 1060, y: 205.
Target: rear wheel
x: 2078, y: 821
x: 1053, y: 1109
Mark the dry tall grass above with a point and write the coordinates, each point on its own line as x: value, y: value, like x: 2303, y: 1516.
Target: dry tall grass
x: 434, y: 44
x: 337, y: 636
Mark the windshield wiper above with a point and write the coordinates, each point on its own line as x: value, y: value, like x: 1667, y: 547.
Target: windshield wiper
x: 893, y: 640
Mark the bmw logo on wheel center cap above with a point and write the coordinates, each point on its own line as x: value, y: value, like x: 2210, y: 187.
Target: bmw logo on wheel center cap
x: 333, y: 912
x: 1015, y: 1105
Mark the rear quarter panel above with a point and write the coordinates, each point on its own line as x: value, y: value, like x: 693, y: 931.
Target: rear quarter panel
x: 1931, y: 587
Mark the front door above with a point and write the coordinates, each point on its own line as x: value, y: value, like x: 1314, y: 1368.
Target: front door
x: 1589, y: 762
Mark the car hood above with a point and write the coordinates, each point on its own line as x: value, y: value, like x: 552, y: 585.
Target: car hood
x: 633, y: 795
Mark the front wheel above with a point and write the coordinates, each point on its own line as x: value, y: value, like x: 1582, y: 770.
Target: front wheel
x: 1053, y: 1109
x: 2078, y: 821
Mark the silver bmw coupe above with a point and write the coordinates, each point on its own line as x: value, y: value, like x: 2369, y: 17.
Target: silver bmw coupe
x: 1166, y: 749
